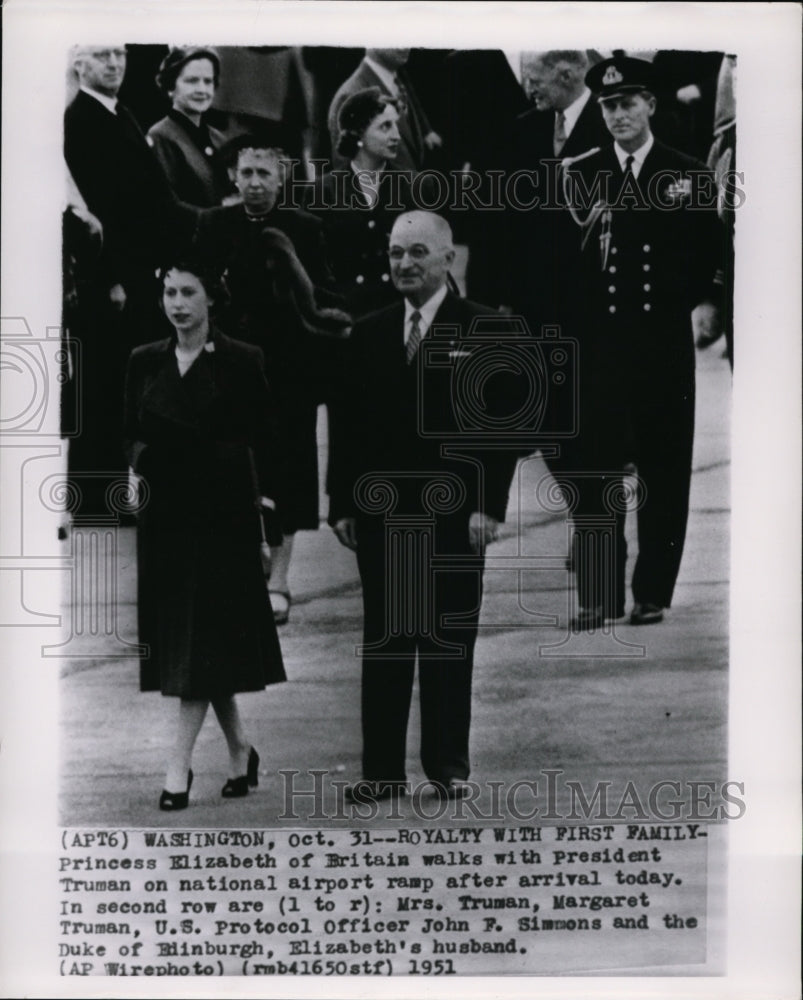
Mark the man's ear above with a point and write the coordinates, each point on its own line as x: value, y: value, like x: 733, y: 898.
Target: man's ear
x: 449, y: 256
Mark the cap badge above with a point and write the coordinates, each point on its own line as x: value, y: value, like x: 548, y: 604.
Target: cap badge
x: 612, y: 75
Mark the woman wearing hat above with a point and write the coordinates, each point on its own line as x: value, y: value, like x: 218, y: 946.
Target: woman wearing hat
x: 282, y: 300
x: 354, y: 204
x: 185, y: 146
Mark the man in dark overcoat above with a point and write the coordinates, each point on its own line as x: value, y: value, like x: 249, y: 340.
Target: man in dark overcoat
x: 418, y: 498
x: 565, y: 121
x: 122, y: 183
x: 650, y: 249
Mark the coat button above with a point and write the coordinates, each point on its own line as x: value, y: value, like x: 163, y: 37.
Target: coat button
x: 612, y: 269
x: 614, y: 250
x: 645, y: 267
x: 611, y: 289
x: 359, y: 279
x: 386, y: 277
x: 647, y: 288
x: 611, y: 309
x: 647, y: 307
x: 371, y: 224
x: 646, y: 248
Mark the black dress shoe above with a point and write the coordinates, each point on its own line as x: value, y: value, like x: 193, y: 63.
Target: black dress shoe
x: 451, y: 789
x: 237, y: 788
x: 362, y: 792
x: 646, y: 614
x: 592, y: 618
x: 173, y: 801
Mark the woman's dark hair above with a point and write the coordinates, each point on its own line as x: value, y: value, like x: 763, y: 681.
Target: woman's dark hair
x: 175, y: 61
x: 356, y: 114
x: 212, y: 282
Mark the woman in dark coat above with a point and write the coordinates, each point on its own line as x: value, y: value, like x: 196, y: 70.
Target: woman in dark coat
x: 199, y: 437
x: 186, y: 147
x: 282, y: 300
x: 358, y: 205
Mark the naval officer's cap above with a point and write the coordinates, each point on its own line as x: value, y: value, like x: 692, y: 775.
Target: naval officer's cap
x: 621, y: 75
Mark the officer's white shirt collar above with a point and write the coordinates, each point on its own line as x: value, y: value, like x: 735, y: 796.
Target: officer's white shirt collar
x: 110, y: 103
x: 638, y: 157
x: 427, y: 311
x: 385, y: 75
x: 573, y: 112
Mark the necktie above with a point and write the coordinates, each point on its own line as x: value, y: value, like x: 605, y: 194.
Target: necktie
x: 415, y: 336
x: 629, y: 165
x: 559, y: 135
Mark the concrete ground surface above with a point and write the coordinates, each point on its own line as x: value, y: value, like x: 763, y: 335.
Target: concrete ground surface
x: 639, y: 704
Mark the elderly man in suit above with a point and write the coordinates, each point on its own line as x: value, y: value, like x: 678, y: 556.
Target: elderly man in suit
x: 418, y: 512
x: 123, y: 186
x: 384, y: 68
x: 651, y: 246
x: 565, y: 122
x: 121, y: 182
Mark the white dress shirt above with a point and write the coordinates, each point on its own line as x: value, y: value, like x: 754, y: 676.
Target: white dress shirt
x: 638, y: 156
x: 427, y: 312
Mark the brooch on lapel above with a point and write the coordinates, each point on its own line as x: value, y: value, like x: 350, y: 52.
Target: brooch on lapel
x: 209, y: 346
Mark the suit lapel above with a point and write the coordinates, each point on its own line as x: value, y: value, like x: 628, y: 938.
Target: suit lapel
x: 583, y: 135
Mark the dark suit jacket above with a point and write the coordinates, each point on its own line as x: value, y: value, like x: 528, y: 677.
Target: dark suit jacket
x: 191, y: 164
x: 413, y: 124
x: 382, y: 404
x: 485, y: 99
x: 542, y: 245
x: 120, y: 180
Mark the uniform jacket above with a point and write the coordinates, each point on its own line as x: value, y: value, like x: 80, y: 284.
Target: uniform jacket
x: 122, y: 184
x: 413, y: 125
x: 661, y: 259
x: 382, y: 406
x: 356, y: 236
x: 190, y: 162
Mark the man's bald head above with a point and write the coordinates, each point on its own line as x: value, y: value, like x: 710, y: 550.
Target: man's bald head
x: 421, y: 253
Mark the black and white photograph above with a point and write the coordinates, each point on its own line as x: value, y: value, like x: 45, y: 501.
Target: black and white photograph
x: 400, y: 537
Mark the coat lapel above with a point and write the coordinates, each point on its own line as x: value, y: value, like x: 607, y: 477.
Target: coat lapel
x: 185, y: 400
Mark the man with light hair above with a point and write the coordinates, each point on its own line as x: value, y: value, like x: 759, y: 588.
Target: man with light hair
x: 120, y: 180
x: 418, y: 514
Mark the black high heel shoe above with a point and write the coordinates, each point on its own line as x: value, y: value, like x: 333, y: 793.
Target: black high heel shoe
x: 173, y: 801
x: 236, y: 788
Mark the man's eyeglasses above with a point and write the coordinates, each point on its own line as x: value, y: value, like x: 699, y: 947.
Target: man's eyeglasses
x: 414, y: 252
